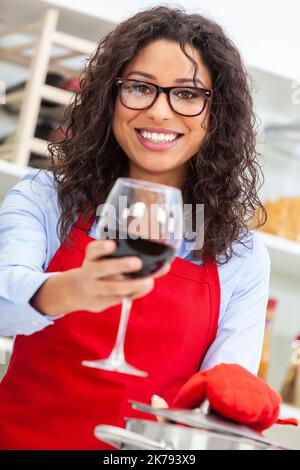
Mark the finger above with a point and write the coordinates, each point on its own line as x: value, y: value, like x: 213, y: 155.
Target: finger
x: 99, y: 248
x: 108, y: 301
x: 124, y: 288
x: 159, y: 402
x: 115, y: 266
x: 161, y: 272
x: 105, y: 302
x: 116, y: 277
x: 140, y: 294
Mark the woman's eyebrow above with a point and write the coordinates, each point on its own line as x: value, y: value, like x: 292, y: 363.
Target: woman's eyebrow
x: 152, y: 77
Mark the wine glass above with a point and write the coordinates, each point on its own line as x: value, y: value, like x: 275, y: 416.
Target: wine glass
x: 146, y: 220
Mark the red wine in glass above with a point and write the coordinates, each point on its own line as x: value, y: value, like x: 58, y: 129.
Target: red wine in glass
x: 153, y: 254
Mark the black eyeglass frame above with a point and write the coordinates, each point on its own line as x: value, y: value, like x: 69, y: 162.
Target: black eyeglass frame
x: 207, y: 93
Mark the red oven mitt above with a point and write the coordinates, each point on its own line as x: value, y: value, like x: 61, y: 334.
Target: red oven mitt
x: 234, y: 393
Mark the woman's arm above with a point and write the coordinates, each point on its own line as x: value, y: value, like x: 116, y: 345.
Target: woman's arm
x: 23, y: 245
x: 241, y: 327
x: 94, y: 286
x: 30, y: 298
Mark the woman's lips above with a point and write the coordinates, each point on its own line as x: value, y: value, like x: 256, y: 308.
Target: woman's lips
x: 158, y: 146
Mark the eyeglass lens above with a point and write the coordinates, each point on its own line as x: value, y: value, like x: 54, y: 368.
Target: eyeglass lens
x: 140, y: 95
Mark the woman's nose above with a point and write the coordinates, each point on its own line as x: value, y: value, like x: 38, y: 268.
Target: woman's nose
x: 160, y: 110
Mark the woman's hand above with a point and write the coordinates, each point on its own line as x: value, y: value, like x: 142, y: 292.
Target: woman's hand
x: 97, y: 285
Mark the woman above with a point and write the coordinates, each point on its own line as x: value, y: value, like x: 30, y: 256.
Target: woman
x: 209, y: 308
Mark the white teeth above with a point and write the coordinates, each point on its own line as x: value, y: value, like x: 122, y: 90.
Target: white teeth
x: 155, y: 137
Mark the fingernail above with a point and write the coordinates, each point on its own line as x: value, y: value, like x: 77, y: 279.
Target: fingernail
x: 155, y: 397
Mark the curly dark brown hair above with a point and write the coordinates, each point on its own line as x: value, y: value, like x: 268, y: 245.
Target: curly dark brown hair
x: 224, y: 174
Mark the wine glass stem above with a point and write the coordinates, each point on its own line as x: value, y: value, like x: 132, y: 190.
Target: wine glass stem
x: 118, y: 351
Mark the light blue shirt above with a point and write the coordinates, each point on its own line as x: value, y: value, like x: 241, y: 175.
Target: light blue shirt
x: 28, y: 240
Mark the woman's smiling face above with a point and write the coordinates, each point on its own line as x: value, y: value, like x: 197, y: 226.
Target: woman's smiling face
x: 162, y: 63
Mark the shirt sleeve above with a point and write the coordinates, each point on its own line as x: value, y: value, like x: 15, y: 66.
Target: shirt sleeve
x: 22, y: 256
x: 241, y: 329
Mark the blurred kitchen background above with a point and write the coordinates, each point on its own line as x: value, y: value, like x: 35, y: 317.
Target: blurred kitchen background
x: 43, y: 47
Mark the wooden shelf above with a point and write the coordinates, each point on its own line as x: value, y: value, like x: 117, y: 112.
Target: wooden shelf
x: 36, y: 90
x: 48, y: 92
x: 284, y: 254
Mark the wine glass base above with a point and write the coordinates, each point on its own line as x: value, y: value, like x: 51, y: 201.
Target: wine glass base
x: 115, y: 366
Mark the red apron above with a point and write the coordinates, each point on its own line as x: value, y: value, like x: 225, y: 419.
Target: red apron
x: 48, y: 400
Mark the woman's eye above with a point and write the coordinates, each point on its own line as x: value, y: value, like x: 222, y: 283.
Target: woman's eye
x: 186, y: 94
x: 141, y: 89
x: 138, y: 88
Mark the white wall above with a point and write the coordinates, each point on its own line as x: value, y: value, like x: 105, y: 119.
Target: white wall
x: 266, y: 32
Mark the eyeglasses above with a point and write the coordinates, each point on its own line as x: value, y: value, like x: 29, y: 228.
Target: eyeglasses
x: 186, y: 101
